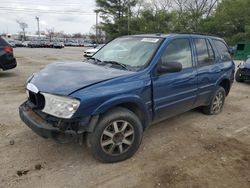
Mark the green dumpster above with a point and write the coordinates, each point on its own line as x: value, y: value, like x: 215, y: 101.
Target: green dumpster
x: 242, y: 51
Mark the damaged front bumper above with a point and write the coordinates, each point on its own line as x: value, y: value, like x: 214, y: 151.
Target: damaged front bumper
x: 245, y: 74
x: 50, y: 127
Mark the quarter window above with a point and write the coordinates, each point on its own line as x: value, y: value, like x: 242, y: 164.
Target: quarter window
x: 205, y: 53
x: 179, y: 51
x: 223, y: 50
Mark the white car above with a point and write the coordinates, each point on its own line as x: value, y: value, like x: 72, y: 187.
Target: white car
x: 92, y: 51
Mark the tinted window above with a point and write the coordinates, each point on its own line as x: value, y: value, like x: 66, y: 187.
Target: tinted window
x: 205, y: 54
x: 210, y: 52
x: 179, y: 51
x: 223, y: 50
x: 3, y: 42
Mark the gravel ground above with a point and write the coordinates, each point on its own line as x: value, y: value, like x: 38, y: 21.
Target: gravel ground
x: 190, y: 150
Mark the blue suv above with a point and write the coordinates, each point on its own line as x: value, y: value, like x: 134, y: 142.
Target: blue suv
x: 129, y: 84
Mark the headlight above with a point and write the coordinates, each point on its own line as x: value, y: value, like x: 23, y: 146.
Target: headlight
x: 63, y: 107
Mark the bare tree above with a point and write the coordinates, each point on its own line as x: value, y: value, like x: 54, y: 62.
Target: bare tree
x: 157, y: 5
x: 23, y: 26
x: 50, y: 33
x: 201, y: 7
x: 180, y: 5
x: 195, y: 9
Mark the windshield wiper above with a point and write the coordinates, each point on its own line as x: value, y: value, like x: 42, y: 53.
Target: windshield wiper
x: 117, y: 63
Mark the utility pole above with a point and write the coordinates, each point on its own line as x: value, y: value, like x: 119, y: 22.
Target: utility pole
x: 96, y: 28
x: 128, y: 17
x: 38, y: 26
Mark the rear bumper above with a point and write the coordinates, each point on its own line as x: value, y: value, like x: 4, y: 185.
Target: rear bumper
x: 8, y: 64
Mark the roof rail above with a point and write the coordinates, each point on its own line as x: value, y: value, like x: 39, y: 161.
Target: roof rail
x: 197, y: 33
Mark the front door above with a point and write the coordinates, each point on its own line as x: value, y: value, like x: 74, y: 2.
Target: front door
x: 174, y: 93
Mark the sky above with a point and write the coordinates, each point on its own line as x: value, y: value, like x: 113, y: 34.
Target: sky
x: 70, y: 16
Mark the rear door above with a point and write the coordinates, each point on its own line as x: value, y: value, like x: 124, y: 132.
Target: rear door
x: 224, y: 59
x: 208, y: 69
x: 174, y: 93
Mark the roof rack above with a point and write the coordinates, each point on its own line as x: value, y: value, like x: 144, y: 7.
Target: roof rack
x: 197, y: 33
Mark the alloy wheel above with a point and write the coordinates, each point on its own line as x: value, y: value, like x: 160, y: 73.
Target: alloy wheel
x: 117, y: 137
x: 218, y: 102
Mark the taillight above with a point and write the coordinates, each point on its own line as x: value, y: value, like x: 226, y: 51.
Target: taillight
x: 8, y: 49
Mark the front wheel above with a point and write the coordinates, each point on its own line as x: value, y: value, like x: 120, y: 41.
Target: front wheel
x: 217, y: 102
x: 238, y: 76
x: 117, y: 136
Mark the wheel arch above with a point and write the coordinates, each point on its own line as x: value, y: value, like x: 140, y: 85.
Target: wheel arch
x: 132, y: 103
x: 225, y: 83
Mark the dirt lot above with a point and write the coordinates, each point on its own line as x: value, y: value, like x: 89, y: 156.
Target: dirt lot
x: 190, y: 150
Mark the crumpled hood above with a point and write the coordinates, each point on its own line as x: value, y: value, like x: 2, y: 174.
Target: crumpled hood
x: 65, y: 78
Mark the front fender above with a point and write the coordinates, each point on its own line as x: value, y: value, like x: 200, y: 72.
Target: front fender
x: 124, y: 99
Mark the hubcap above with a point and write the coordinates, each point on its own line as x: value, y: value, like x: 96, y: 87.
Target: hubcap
x: 218, y: 102
x: 117, y: 137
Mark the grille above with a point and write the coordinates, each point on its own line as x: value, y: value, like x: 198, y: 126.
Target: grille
x: 246, y: 70
x: 37, y: 100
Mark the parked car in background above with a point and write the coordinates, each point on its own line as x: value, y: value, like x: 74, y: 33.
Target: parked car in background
x: 18, y: 43
x: 89, y: 45
x: 7, y: 59
x: 68, y: 43
x: 33, y: 44
x: 75, y: 44
x: 92, y: 51
x: 243, y: 72
x: 117, y: 94
x: 58, y: 45
x: 25, y: 43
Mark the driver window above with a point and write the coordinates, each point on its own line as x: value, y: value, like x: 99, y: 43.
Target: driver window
x: 179, y: 50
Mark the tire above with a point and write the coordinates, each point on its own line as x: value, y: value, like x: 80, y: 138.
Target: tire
x: 217, y: 102
x: 238, y: 76
x: 116, y: 137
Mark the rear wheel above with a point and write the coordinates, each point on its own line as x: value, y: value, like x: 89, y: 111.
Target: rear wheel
x: 117, y: 136
x: 238, y: 76
x: 217, y: 102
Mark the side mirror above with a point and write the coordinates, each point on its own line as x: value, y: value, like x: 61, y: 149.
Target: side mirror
x: 169, y: 67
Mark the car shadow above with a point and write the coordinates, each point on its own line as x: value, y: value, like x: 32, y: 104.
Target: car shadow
x: 7, y: 74
x: 76, y: 153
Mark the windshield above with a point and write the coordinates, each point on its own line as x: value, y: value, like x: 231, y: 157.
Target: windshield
x: 132, y: 52
x: 99, y: 46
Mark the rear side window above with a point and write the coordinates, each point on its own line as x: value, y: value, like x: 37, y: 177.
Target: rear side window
x: 205, y: 53
x: 3, y: 42
x: 179, y: 50
x: 223, y: 50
